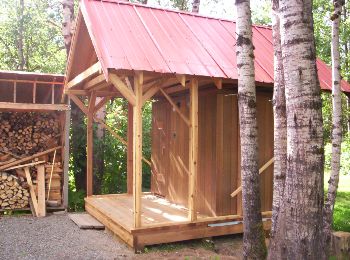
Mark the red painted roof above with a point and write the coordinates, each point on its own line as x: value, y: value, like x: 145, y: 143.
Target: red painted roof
x: 137, y: 37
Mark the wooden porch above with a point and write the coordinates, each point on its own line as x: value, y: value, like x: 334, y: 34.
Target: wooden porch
x: 162, y: 221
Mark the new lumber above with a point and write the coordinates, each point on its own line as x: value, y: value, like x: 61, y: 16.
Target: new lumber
x: 122, y: 88
x: 261, y: 170
x: 184, y: 118
x: 89, y: 145
x: 84, y: 75
x: 94, y: 82
x: 17, y: 162
x: 193, y: 151
x: 137, y: 150
x: 41, y: 191
x: 25, y: 165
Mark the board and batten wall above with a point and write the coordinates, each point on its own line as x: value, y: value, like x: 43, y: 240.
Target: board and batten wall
x: 219, y: 159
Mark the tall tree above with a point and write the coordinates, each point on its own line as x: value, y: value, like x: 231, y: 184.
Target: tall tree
x: 195, y: 6
x: 337, y: 125
x: 297, y: 232
x: 280, y: 118
x: 67, y: 22
x: 20, y: 35
x: 253, y: 239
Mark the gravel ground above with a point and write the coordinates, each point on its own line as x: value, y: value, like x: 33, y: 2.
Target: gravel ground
x: 57, y: 237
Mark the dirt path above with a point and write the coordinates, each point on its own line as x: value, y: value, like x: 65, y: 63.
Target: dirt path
x: 57, y: 237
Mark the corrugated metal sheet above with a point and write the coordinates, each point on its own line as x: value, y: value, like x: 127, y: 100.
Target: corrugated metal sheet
x: 136, y: 37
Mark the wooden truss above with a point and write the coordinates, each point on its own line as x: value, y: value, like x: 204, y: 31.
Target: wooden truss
x: 137, y: 91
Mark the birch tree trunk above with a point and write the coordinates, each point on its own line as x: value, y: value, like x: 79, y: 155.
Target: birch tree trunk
x: 337, y: 126
x: 297, y: 232
x: 67, y: 22
x: 20, y: 43
x: 195, y: 6
x: 253, y: 239
x: 280, y: 119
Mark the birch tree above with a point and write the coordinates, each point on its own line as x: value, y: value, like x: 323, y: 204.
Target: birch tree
x: 337, y: 125
x: 195, y: 6
x: 253, y: 239
x: 297, y: 232
x: 280, y: 120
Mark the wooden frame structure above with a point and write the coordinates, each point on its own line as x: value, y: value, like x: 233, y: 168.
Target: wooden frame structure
x: 38, y: 92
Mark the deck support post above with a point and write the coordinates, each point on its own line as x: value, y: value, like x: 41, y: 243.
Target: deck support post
x: 193, y: 150
x: 89, y: 145
x: 137, y: 149
x: 130, y: 150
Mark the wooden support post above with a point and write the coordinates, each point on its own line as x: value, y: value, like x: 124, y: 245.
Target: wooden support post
x: 53, y: 94
x: 41, y: 191
x: 89, y: 145
x: 66, y: 157
x: 130, y: 150
x: 34, y: 93
x: 193, y: 150
x: 14, y: 92
x: 137, y: 149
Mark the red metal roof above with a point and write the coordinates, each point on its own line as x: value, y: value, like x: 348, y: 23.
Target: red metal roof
x: 136, y: 37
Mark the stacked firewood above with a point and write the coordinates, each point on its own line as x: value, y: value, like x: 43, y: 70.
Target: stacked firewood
x: 28, y: 133
x: 13, y: 194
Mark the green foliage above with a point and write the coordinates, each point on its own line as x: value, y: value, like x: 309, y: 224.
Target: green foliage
x: 76, y: 199
x: 261, y: 12
x: 43, y: 46
x: 344, y: 159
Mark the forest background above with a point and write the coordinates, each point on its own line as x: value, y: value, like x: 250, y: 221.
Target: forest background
x: 31, y: 40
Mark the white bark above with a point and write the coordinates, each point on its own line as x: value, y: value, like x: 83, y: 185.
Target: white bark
x: 280, y: 119
x: 253, y: 239
x: 337, y: 125
x: 68, y: 22
x: 298, y: 234
x: 195, y: 6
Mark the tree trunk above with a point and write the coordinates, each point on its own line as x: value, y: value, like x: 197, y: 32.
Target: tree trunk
x: 346, y: 68
x: 99, y: 150
x: 253, y: 239
x: 195, y: 6
x: 67, y: 22
x: 280, y: 119
x: 297, y: 232
x: 337, y: 126
x: 20, y: 43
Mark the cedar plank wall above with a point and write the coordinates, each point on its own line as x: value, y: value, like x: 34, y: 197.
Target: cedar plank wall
x: 218, y: 173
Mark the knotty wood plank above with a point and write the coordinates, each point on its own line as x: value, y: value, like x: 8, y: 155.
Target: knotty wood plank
x: 86, y: 221
x: 193, y: 160
x: 41, y: 191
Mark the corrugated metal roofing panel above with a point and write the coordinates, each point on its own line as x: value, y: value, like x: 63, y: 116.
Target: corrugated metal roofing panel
x: 137, y: 37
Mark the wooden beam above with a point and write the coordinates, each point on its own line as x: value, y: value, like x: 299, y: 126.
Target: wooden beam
x: 89, y: 145
x: 94, y: 82
x: 26, y: 159
x: 181, y: 79
x: 34, y: 92
x: 52, y: 94
x: 14, y: 92
x: 150, y: 93
x: 137, y: 150
x: 129, y: 167
x: 99, y: 93
x: 218, y: 83
x: 79, y: 103
x: 261, y: 170
x: 25, y: 106
x: 25, y: 165
x: 41, y: 191
x: 100, y: 104
x: 193, y: 151
x: 177, y: 109
x: 84, y: 75
x: 122, y: 88
x: 31, y: 190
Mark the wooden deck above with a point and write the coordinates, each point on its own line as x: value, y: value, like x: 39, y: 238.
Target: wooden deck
x: 162, y: 221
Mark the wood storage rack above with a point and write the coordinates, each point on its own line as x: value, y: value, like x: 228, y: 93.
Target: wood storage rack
x: 34, y: 142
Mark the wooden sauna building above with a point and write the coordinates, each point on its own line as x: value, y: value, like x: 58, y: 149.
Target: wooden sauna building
x: 185, y: 64
x: 34, y: 133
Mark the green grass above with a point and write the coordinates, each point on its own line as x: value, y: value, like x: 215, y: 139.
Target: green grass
x: 341, y: 216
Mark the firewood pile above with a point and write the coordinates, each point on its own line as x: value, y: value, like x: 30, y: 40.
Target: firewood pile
x: 13, y: 192
x: 28, y: 133
x: 29, y: 141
